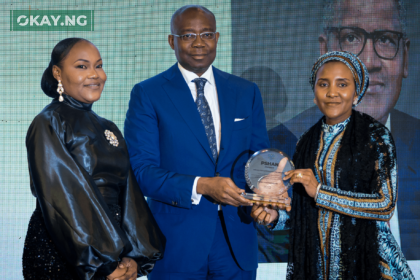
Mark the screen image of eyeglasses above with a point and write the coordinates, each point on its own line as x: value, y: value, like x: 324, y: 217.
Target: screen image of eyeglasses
x: 353, y: 39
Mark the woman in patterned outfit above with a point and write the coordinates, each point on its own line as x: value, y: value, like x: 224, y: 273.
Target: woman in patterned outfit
x: 345, y: 185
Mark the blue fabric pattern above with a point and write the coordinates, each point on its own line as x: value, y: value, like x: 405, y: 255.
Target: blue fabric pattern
x: 205, y: 114
x: 389, y: 249
x: 358, y: 204
x: 333, y: 203
x: 283, y: 218
x: 330, y: 254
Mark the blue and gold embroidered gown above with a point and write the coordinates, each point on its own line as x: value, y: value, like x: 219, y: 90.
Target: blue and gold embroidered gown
x: 334, y: 203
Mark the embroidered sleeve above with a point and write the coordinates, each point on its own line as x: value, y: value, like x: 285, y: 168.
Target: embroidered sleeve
x: 377, y: 206
x: 283, y: 221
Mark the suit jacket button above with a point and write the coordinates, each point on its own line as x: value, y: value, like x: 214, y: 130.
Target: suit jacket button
x: 217, y: 174
x: 174, y: 203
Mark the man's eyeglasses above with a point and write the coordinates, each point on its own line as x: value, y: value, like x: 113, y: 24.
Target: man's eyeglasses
x: 190, y: 37
x: 353, y: 39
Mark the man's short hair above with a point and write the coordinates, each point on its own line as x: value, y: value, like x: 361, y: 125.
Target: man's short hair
x: 333, y: 12
x: 186, y: 7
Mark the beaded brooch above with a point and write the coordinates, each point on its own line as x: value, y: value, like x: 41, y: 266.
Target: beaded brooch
x: 112, y: 138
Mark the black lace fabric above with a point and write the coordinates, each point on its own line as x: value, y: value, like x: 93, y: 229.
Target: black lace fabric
x: 41, y: 258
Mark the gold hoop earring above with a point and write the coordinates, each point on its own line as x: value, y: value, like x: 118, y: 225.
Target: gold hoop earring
x: 60, y: 90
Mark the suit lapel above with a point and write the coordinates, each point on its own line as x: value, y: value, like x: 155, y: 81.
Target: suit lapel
x: 180, y: 95
x: 227, y: 105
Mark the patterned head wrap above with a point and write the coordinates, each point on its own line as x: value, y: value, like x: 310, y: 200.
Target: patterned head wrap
x: 356, y: 66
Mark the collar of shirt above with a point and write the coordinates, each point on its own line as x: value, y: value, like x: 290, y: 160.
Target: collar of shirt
x: 388, y: 122
x: 190, y: 76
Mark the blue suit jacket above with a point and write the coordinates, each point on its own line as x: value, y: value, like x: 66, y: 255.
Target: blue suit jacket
x: 405, y: 130
x: 168, y: 148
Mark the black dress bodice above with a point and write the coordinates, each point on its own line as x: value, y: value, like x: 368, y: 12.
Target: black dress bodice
x: 82, y: 133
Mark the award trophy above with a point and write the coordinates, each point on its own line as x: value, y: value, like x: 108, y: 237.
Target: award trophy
x: 264, y: 173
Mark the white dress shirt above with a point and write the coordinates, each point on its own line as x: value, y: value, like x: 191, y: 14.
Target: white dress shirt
x: 394, y: 222
x: 210, y: 92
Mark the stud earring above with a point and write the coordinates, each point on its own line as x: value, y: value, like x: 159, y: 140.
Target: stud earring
x: 355, y: 101
x: 60, y: 90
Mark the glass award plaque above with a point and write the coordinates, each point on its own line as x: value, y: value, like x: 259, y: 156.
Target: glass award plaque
x: 264, y: 173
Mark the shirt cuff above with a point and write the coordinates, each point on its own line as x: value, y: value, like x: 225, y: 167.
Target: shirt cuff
x: 195, y: 197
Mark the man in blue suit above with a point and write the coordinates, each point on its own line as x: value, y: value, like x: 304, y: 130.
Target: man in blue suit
x: 185, y: 128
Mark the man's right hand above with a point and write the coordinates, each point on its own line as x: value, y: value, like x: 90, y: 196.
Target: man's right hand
x: 126, y: 270
x: 222, y: 190
x: 263, y: 214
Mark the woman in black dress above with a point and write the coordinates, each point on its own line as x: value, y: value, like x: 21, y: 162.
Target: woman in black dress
x: 91, y: 220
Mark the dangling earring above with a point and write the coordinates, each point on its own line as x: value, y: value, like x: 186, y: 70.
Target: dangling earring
x: 60, y: 90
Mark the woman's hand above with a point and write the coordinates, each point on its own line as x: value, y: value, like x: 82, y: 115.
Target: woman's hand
x: 126, y: 270
x: 304, y: 176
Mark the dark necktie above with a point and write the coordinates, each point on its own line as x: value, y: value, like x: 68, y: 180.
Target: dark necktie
x: 205, y: 114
